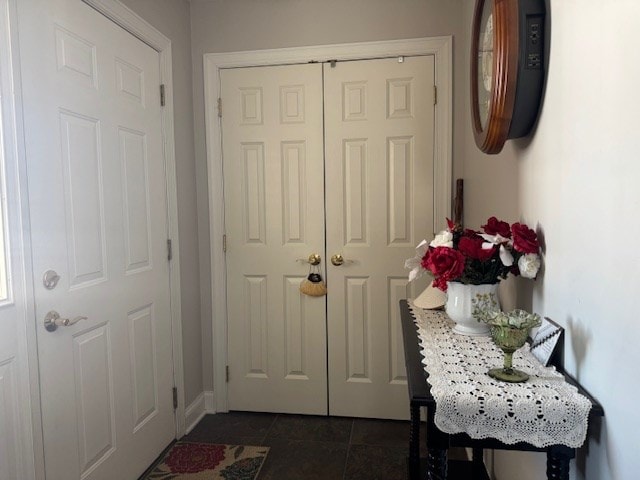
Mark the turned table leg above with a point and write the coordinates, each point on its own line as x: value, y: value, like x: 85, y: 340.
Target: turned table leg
x: 414, y: 442
x: 478, y: 463
x: 558, y: 458
x: 437, y: 447
x: 437, y: 464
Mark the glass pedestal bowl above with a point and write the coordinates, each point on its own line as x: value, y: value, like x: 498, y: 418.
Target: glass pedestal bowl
x: 508, y: 339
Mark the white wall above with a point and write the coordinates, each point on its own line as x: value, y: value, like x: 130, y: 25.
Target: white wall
x: 236, y: 25
x: 172, y: 18
x: 577, y: 178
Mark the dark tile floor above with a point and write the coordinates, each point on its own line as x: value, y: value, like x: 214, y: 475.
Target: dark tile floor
x: 314, y: 448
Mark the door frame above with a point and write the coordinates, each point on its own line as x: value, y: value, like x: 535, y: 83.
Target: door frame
x: 30, y: 448
x: 440, y: 47
x: 31, y: 425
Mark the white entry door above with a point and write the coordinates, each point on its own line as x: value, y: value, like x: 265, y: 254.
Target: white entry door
x: 274, y: 209
x: 97, y: 195
x: 379, y: 147
x: 376, y: 156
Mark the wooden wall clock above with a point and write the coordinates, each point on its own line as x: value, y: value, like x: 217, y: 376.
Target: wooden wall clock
x: 507, y: 70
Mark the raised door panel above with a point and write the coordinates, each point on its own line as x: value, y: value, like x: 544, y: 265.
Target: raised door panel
x: 354, y: 100
x: 355, y: 191
x: 143, y: 347
x: 84, y: 198
x: 94, y: 400
x: 292, y: 101
x: 399, y: 98
x: 358, y: 329
x: 399, y: 163
x: 137, y: 214
x: 294, y: 192
x: 253, y: 186
x: 76, y: 57
x: 257, y: 318
x: 251, y: 101
x: 130, y: 81
x: 296, y: 318
x: 398, y: 289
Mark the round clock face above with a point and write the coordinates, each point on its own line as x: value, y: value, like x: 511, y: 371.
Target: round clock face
x: 507, y: 70
x: 485, y: 62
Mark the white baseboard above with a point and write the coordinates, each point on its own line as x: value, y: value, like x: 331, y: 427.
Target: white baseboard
x: 202, y: 405
x: 209, y: 402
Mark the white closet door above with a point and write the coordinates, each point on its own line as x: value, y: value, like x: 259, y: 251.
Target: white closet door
x: 379, y: 127
x: 274, y: 214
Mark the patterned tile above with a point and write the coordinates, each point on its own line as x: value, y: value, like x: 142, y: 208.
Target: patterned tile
x: 310, y: 428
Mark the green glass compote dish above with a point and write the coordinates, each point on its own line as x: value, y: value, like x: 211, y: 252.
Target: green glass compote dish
x: 508, y: 339
x: 509, y: 331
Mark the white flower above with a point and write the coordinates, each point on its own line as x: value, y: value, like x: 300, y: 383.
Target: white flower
x: 443, y: 239
x: 529, y: 264
x: 505, y: 254
x: 496, y: 239
x: 415, y: 264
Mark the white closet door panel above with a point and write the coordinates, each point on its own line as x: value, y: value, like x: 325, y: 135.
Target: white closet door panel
x: 379, y: 127
x: 274, y: 215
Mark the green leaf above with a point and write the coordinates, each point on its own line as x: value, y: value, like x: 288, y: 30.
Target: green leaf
x: 238, y: 452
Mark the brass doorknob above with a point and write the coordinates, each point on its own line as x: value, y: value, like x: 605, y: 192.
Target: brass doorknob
x: 337, y: 260
x: 314, y: 259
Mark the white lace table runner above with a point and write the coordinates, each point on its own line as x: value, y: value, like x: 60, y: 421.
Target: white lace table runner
x: 545, y: 410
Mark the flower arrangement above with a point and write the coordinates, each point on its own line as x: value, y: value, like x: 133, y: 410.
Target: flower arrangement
x: 477, y: 257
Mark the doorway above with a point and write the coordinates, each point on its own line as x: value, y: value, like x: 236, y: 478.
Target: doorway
x: 214, y: 65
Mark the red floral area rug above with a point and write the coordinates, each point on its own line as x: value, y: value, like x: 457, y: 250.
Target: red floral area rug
x: 204, y: 461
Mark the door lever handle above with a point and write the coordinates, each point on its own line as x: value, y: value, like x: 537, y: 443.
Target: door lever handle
x: 53, y: 320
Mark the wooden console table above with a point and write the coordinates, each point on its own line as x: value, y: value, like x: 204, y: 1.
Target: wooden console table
x: 436, y: 466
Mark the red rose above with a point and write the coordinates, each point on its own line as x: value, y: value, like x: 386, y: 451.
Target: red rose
x: 472, y: 248
x: 444, y: 262
x: 525, y: 240
x: 497, y: 227
x: 194, y: 457
x: 440, y: 283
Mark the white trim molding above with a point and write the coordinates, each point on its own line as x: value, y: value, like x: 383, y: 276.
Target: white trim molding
x: 201, y: 406
x: 130, y: 21
x: 442, y: 50
x: 209, y: 402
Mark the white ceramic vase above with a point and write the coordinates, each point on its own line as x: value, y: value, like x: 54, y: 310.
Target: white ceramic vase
x: 459, y: 307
